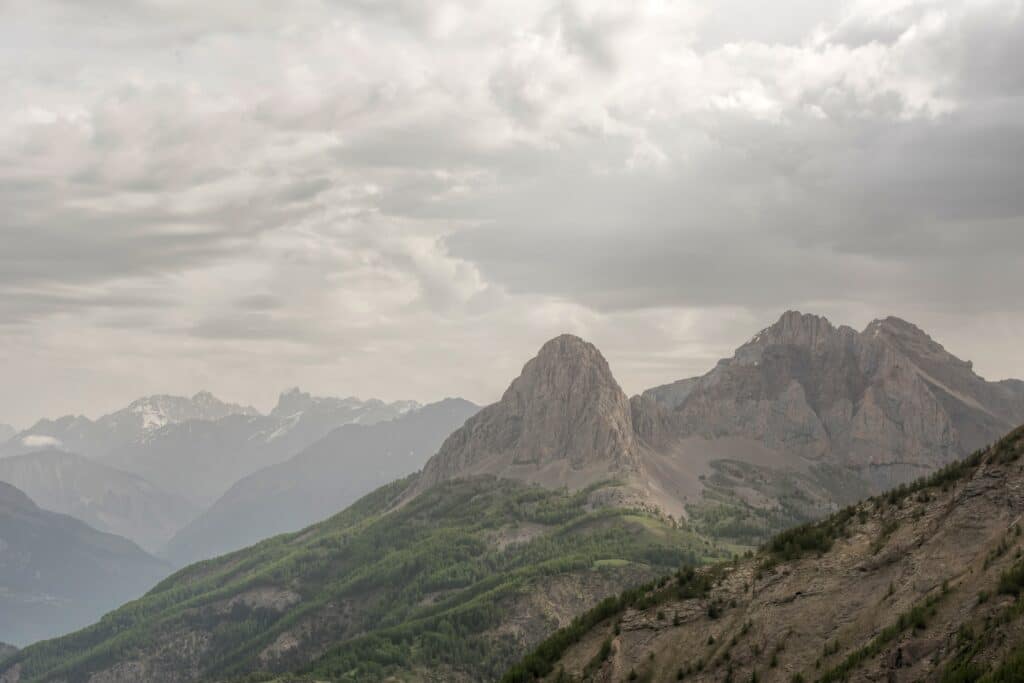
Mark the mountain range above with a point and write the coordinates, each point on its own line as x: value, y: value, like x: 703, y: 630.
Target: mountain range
x: 78, y: 434
x: 801, y: 419
x: 58, y: 574
x: 195, y: 448
x: 564, y: 491
x: 200, y: 459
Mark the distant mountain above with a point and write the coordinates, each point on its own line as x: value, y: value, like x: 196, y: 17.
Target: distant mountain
x: 77, y: 434
x: 58, y: 574
x: 201, y: 459
x: 105, y: 498
x: 321, y: 480
x: 923, y: 584
x: 6, y: 432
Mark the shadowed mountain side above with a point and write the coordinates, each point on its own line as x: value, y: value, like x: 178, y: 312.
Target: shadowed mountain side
x: 323, y: 479
x: 58, y: 574
x: 102, y: 497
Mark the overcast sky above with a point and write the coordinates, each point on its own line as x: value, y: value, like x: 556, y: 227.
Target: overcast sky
x: 405, y: 199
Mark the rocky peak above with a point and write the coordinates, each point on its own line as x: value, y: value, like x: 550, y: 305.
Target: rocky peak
x: 913, y: 342
x: 292, y: 401
x: 798, y: 329
x: 565, y: 412
x: 563, y: 366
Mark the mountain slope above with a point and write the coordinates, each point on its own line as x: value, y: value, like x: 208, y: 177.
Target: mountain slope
x: 924, y: 583
x: 454, y: 584
x: 58, y: 574
x: 324, y: 478
x: 102, y: 497
x: 6, y: 432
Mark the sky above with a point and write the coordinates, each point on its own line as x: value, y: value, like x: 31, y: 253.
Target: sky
x: 405, y: 199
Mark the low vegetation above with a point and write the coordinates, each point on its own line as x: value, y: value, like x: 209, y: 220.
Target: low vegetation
x: 381, y: 591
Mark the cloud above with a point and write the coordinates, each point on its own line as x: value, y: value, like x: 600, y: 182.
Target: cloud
x: 40, y: 441
x: 404, y: 199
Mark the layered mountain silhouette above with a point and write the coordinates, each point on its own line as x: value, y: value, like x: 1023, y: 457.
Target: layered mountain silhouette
x: 561, y: 490
x: 462, y: 574
x: 319, y: 481
x: 105, y: 498
x: 58, y: 574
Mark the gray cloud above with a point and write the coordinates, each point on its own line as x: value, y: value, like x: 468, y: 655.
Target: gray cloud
x: 403, y: 200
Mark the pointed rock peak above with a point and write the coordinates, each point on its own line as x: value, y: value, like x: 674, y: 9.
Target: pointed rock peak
x: 792, y: 329
x: 291, y: 401
x: 563, y: 364
x: 563, y: 421
x: 567, y: 347
x: 795, y: 327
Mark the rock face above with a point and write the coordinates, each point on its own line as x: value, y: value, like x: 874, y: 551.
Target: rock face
x: 563, y: 420
x: 888, y: 402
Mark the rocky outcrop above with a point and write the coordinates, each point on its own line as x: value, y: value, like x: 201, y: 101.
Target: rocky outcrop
x: 888, y: 402
x: 565, y: 414
x: 924, y: 586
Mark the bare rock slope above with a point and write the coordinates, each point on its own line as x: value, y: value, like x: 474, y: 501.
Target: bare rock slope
x: 922, y: 584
